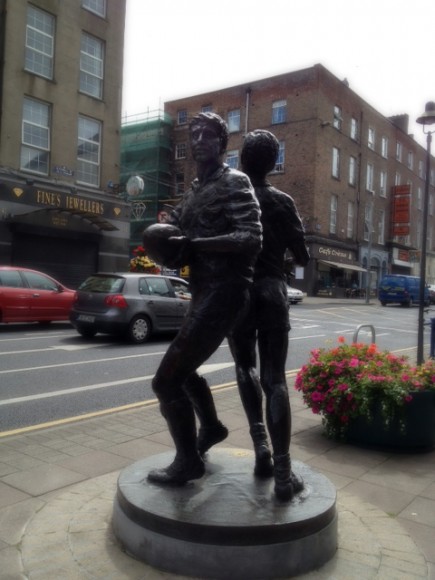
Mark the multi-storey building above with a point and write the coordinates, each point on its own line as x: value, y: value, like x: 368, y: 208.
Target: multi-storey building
x: 61, y: 69
x: 146, y: 153
x: 344, y: 164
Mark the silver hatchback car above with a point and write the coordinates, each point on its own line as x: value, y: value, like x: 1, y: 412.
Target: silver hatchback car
x: 130, y: 305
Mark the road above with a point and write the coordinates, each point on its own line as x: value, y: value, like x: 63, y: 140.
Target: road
x: 52, y: 374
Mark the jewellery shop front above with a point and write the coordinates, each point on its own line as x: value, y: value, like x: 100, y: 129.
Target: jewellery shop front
x: 336, y: 272
x: 63, y: 232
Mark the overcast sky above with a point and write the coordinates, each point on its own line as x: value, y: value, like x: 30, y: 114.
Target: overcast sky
x: 384, y: 48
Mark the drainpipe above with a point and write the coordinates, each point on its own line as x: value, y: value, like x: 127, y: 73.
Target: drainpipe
x: 247, y: 104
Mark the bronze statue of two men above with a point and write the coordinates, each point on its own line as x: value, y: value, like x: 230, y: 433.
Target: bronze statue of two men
x: 233, y: 230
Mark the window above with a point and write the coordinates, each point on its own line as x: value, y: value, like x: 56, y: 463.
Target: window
x: 35, y: 138
x: 41, y: 282
x: 421, y: 169
x: 182, y: 117
x: 96, y: 6
x: 333, y: 215
x: 336, y: 162
x: 279, y: 110
x: 419, y: 197
x: 281, y: 157
x: 158, y: 287
x: 410, y: 160
x: 39, y: 42
x: 234, y: 120
x: 384, y: 147
x: 91, y: 66
x: 370, y: 175
x: 337, y: 117
x: 383, y: 184
x: 397, y: 178
x: 179, y: 184
x: 233, y: 158
x: 88, y: 151
x: 398, y: 151
x: 180, y: 151
x: 352, y: 170
x: 350, y: 218
x: 207, y: 109
x: 354, y: 129
x: 367, y: 222
x: 381, y: 226
x: 371, y: 138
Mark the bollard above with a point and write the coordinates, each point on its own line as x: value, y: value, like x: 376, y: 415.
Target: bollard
x: 372, y: 329
x: 432, y: 338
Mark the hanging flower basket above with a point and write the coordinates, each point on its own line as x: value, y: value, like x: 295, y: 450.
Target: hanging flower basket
x: 370, y: 397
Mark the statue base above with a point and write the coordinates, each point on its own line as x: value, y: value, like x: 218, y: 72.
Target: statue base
x: 227, y: 524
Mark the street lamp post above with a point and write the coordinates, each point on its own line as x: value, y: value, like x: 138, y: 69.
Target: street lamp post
x: 426, y: 119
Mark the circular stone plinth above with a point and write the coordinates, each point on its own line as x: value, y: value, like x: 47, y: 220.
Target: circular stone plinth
x: 228, y: 523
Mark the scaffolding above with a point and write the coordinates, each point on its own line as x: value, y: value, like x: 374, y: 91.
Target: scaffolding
x: 146, y: 151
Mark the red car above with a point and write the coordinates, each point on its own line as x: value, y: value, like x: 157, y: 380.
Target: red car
x: 31, y: 296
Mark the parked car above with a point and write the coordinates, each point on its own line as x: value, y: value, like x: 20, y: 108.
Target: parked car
x: 132, y: 305
x: 31, y: 296
x: 294, y: 295
x: 404, y: 290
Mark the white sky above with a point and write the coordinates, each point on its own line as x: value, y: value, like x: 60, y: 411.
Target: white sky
x: 385, y: 48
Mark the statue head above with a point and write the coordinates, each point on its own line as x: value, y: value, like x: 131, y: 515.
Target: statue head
x: 216, y: 123
x: 259, y: 153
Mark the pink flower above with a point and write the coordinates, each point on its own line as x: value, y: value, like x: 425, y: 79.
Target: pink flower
x: 317, y: 397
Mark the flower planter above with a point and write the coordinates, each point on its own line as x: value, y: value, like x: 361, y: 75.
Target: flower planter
x: 419, y: 422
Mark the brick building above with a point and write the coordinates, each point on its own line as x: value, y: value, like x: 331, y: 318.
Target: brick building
x: 61, y: 69
x: 345, y: 164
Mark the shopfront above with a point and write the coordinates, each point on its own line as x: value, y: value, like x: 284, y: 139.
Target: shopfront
x: 337, y: 274
x: 62, y: 232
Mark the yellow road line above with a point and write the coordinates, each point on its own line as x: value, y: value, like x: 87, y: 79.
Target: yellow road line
x: 129, y: 407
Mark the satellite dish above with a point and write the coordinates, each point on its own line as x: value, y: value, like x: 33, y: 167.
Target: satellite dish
x: 135, y: 186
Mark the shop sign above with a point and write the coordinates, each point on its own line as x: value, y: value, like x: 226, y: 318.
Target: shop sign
x: 329, y: 253
x: 61, y: 200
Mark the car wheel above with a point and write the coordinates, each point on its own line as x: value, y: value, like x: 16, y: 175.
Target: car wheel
x: 139, y: 329
x: 86, y: 332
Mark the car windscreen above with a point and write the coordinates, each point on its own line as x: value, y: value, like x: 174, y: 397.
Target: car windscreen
x: 103, y: 284
x: 393, y: 283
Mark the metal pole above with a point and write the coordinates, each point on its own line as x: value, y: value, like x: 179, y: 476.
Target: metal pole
x: 369, y: 253
x: 420, y: 335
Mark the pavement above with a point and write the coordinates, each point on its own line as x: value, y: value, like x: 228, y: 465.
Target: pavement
x: 58, y: 482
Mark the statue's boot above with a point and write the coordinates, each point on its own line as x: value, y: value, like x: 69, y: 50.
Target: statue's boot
x: 263, y: 457
x: 187, y: 464
x: 287, y: 483
x: 211, y: 430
